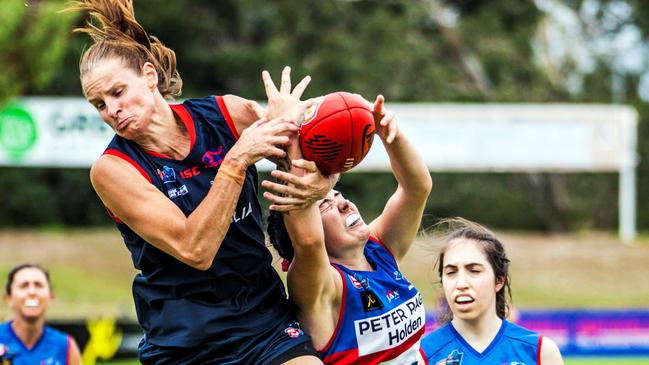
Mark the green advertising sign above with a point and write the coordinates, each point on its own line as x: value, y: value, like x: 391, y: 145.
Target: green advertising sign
x: 18, y: 131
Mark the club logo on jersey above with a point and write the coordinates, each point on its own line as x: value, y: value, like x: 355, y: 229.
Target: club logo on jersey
x: 212, y: 158
x: 398, y: 276
x: 355, y: 282
x: 371, y: 301
x: 454, y: 358
x: 293, y: 332
x: 176, y: 192
x: 392, y: 295
x: 359, y: 281
x: 312, y: 110
x: 6, y: 357
x: 167, y: 175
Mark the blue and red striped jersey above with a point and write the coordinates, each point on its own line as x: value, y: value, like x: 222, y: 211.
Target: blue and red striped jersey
x: 382, y: 314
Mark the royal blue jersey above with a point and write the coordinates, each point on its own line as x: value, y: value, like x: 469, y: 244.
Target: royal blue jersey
x: 240, y: 294
x: 382, y: 314
x: 513, y: 345
x: 51, y: 349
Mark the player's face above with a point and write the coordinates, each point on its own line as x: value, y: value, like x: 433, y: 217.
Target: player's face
x: 124, y: 98
x: 30, y: 294
x: 342, y: 223
x: 469, y: 281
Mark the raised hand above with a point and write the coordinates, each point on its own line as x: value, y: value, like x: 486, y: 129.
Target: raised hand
x: 384, y: 121
x: 285, y: 102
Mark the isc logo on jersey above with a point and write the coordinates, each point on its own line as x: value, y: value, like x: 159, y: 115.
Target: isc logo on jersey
x: 390, y: 329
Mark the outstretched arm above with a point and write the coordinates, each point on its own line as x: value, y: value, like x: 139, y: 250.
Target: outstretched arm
x: 313, y: 284
x: 397, y: 225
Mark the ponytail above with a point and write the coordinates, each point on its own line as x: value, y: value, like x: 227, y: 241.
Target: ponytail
x: 117, y: 34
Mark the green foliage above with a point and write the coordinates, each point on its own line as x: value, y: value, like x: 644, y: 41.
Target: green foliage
x: 400, y: 48
x: 49, y: 197
x: 33, y: 39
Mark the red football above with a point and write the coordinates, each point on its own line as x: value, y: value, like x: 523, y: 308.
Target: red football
x: 337, y: 132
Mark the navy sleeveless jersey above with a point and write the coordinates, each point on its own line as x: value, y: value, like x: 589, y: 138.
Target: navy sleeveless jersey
x: 512, y: 345
x: 382, y: 315
x: 51, y: 349
x: 240, y: 294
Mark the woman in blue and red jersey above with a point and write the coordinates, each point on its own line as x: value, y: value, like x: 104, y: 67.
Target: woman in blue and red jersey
x: 180, y: 182
x: 344, y: 276
x: 474, y: 273
x: 26, y: 339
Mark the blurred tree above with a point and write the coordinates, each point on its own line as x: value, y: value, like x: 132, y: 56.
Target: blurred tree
x: 33, y: 40
x: 423, y: 50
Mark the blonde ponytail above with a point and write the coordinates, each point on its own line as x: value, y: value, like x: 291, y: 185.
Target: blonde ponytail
x: 117, y: 34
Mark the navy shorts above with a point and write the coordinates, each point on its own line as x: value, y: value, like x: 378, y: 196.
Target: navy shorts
x: 275, y: 346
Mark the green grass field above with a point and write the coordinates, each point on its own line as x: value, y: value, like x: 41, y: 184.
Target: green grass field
x: 92, y: 273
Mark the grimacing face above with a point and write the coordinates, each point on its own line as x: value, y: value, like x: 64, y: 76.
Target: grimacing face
x: 124, y: 99
x: 30, y: 294
x: 342, y: 223
x: 468, y: 280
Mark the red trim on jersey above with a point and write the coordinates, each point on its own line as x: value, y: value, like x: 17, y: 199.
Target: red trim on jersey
x: 538, y: 352
x: 226, y: 115
x: 187, y: 120
x: 373, y: 238
x: 423, y: 355
x: 119, y: 154
x: 112, y: 215
x: 340, y: 315
x: 350, y: 357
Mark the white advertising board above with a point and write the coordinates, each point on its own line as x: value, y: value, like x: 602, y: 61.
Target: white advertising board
x: 67, y: 132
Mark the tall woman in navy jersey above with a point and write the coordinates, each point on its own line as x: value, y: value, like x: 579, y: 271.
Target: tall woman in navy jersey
x: 474, y: 273
x: 344, y: 278
x: 180, y: 182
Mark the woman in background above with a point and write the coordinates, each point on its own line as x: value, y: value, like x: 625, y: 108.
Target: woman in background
x: 26, y: 339
x: 474, y: 273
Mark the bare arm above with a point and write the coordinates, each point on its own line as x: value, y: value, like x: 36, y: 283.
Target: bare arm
x: 397, y: 225
x: 550, y: 354
x: 314, y: 285
x: 74, y: 355
x: 193, y: 240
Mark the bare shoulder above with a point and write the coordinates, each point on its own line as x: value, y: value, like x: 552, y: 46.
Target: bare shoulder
x: 550, y: 354
x: 244, y: 112
x: 107, y: 167
x: 74, y: 355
